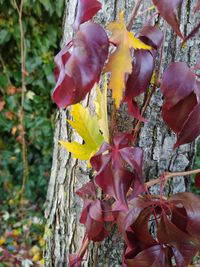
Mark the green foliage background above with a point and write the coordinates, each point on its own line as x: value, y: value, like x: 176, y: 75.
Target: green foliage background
x: 42, y: 23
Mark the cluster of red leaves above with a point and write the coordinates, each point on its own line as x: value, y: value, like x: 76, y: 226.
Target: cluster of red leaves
x: 80, y: 62
x: 181, y: 89
x: 177, y: 231
x: 118, y: 165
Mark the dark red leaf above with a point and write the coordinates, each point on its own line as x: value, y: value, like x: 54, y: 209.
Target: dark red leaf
x: 143, y: 66
x: 191, y: 204
x: 74, y: 261
x: 152, y: 36
x: 181, y: 92
x: 178, y: 82
x: 191, y: 128
x: 151, y: 257
x: 80, y: 66
x: 180, y: 111
x: 197, y: 8
x: 197, y: 180
x: 112, y: 176
x: 94, y: 216
x: 167, y: 10
x: 87, y: 191
x: 86, y: 10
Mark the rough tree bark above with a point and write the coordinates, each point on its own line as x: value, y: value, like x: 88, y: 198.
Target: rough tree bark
x: 63, y: 232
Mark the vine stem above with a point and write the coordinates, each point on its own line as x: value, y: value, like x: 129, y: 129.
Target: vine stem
x: 134, y: 14
x: 84, y: 248
x: 171, y: 175
x: 23, y: 90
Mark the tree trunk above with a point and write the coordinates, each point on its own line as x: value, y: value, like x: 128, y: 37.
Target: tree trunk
x: 63, y: 232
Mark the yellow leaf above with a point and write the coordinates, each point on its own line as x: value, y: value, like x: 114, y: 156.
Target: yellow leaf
x: 2, y: 240
x: 101, y: 110
x: 87, y: 127
x: 36, y: 257
x: 34, y: 250
x: 120, y: 61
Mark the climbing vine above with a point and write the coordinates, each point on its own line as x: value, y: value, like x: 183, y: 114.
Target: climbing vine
x: 118, y: 194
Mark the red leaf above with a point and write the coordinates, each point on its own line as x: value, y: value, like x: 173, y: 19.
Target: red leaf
x: 178, y: 82
x: 86, y: 10
x: 150, y: 257
x: 109, y: 162
x: 74, y: 261
x: 93, y: 218
x: 197, y: 8
x: 180, y: 111
x: 87, y: 191
x: 167, y: 10
x: 143, y: 66
x: 181, y: 90
x: 191, y: 128
x: 191, y: 204
x: 197, y: 180
x: 79, y: 69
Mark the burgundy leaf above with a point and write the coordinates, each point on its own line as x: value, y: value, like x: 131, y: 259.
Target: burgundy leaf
x: 94, y: 219
x: 86, y: 10
x: 197, y: 8
x: 191, y: 204
x: 180, y: 111
x: 152, y: 36
x: 139, y: 79
x: 109, y: 162
x: 74, y: 261
x: 197, y: 180
x: 191, y: 128
x: 178, y: 82
x: 87, y: 191
x: 167, y: 10
x: 150, y: 257
x: 79, y: 67
x: 143, y: 66
x: 181, y: 91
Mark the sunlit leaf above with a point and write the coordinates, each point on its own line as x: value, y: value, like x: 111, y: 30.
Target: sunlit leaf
x: 87, y: 127
x: 101, y: 110
x: 120, y: 61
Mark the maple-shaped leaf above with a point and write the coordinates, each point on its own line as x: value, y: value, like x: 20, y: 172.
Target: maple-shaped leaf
x: 120, y: 61
x: 85, y: 11
x: 143, y: 67
x: 87, y: 127
x: 112, y: 176
x: 101, y: 110
x: 79, y: 64
x: 168, y: 10
x: 181, y: 91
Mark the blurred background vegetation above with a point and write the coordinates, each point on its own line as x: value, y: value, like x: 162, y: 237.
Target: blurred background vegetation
x: 21, y: 226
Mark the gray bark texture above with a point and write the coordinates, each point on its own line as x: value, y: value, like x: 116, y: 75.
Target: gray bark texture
x: 63, y: 232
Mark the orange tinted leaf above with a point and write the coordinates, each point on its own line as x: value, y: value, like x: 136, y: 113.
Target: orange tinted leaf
x: 120, y: 62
